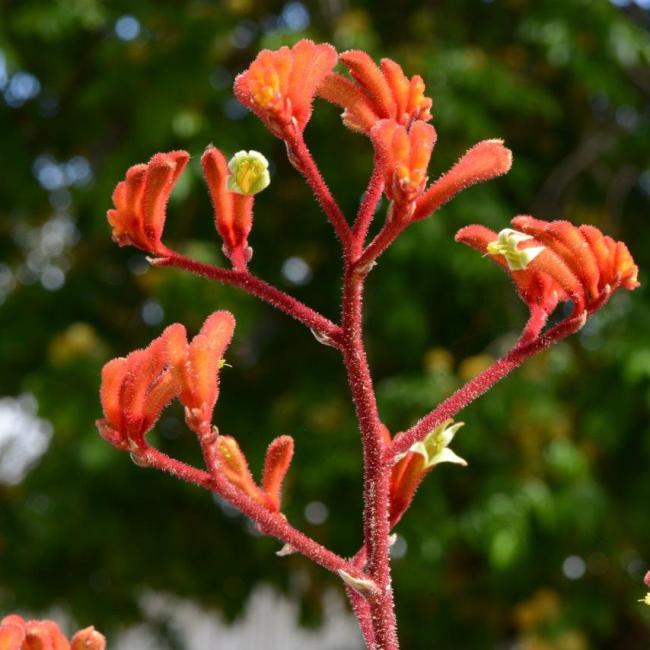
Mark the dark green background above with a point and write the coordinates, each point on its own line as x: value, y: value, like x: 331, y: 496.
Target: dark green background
x: 559, y: 453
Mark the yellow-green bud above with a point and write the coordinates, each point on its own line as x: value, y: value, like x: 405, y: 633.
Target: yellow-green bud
x: 507, y: 245
x: 249, y: 173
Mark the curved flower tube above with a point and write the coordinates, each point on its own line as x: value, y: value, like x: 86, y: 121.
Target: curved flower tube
x: 140, y: 200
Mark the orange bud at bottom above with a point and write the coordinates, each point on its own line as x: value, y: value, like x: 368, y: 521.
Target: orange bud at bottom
x: 88, y: 639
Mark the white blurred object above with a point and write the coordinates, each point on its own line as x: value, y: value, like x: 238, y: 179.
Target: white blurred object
x: 270, y: 621
x: 24, y: 438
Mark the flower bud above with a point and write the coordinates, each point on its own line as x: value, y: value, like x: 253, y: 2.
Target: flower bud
x: 276, y: 465
x: 88, y: 639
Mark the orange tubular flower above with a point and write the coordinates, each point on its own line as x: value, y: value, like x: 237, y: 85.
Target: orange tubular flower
x: 279, y: 86
x: 141, y: 201
x: 554, y: 261
x: 88, y: 639
x: 134, y: 391
x: 233, y: 212
x: 195, y: 366
x: 18, y: 634
x: 484, y: 161
x: 375, y: 93
x: 276, y: 466
x: 405, y: 157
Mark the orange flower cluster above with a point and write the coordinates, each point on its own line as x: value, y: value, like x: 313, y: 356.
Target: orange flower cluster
x: 279, y: 86
x: 18, y: 634
x: 141, y: 201
x: 567, y: 263
x: 135, y: 389
x: 375, y: 93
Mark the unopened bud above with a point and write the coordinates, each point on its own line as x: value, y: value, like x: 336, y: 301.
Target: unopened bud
x: 88, y: 639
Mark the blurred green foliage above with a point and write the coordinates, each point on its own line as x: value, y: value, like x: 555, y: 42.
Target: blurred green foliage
x: 543, y: 540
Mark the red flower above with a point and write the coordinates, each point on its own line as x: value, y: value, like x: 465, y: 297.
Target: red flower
x: 233, y: 212
x: 88, y: 639
x: 141, y: 201
x: 134, y: 391
x: 18, y: 634
x: 484, y: 161
x: 554, y: 261
x: 196, y: 365
x: 279, y: 86
x: 375, y: 93
x: 404, y: 156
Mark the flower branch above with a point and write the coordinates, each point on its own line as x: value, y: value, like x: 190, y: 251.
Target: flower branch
x: 260, y: 289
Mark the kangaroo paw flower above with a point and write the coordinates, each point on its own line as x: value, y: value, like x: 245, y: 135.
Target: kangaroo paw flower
x: 556, y: 261
x: 484, y: 161
x: 18, y: 634
x: 279, y: 86
x: 232, y: 186
x: 88, y: 639
x: 140, y: 200
x: 375, y: 93
x: 405, y: 157
x: 195, y: 366
x: 276, y: 466
x: 134, y: 391
x: 415, y: 464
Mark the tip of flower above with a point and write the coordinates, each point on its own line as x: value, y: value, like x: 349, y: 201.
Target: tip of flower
x: 249, y: 173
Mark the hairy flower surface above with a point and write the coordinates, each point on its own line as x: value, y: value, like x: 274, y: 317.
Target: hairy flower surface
x: 134, y: 391
x: 415, y: 464
x: 405, y: 156
x: 276, y: 465
x: 375, y: 93
x: 554, y: 261
x: 195, y: 366
x: 279, y: 86
x: 483, y: 162
x: 140, y: 200
x: 18, y: 634
x: 232, y: 186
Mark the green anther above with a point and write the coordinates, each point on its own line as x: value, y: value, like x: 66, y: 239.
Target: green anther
x: 507, y: 245
x: 249, y: 173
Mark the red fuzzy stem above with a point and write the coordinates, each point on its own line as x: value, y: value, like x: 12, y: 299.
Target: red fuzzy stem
x: 360, y: 606
x: 368, y: 206
x: 301, y: 158
x: 480, y: 384
x: 376, y: 473
x: 381, y: 242
x: 262, y: 290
